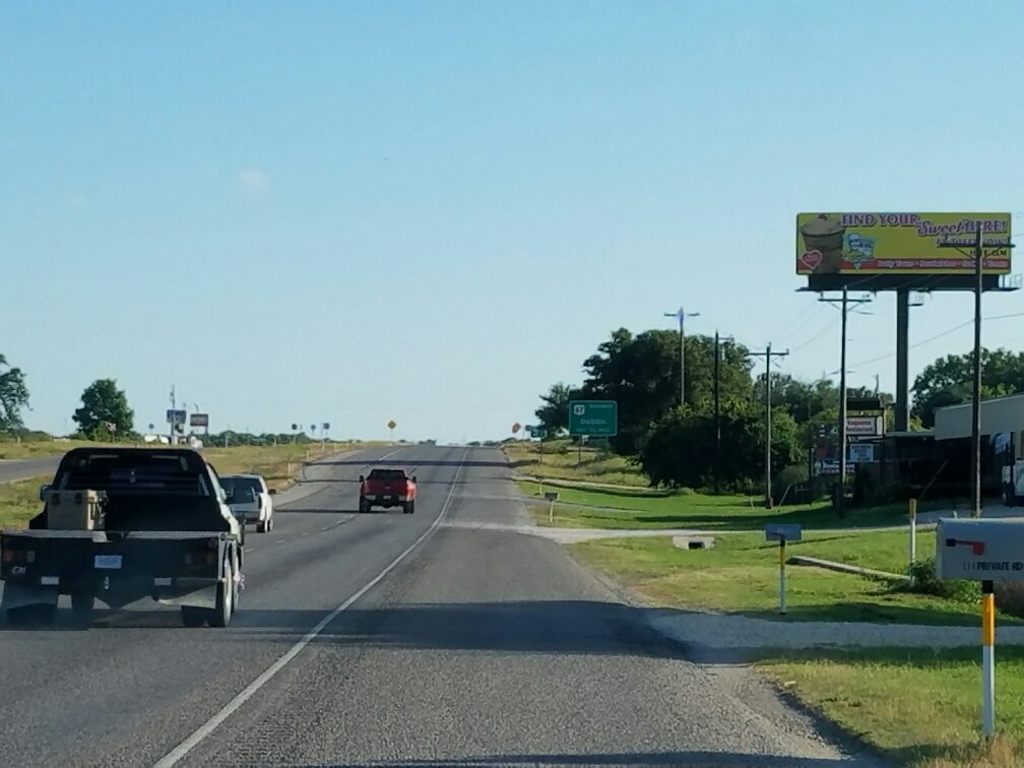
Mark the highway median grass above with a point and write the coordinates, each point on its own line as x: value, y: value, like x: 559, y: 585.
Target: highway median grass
x: 740, y: 575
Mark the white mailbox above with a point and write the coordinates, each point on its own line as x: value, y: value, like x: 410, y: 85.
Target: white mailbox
x: 782, y: 532
x: 980, y: 550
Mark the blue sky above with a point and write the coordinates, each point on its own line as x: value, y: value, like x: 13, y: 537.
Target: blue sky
x: 352, y: 212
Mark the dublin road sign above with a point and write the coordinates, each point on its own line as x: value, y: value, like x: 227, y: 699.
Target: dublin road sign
x: 594, y: 418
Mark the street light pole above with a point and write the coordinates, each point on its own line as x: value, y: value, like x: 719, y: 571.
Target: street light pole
x: 681, y: 314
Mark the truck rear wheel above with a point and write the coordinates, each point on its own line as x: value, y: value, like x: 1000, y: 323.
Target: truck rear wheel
x: 409, y: 507
x: 227, y: 594
x: 261, y: 528
x: 364, y: 505
x: 83, y: 603
x: 32, y: 615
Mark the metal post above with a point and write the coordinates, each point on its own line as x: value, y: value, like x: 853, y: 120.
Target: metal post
x: 768, y: 503
x: 988, y: 660
x: 979, y: 273
x: 782, y: 575
x: 682, y: 357
x: 841, y: 488
x: 902, y: 355
x: 718, y: 419
x: 913, y: 535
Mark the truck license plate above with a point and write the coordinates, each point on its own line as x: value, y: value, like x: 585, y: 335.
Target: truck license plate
x: 109, y: 562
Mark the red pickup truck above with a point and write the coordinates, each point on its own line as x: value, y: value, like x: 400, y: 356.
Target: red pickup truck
x: 387, y: 488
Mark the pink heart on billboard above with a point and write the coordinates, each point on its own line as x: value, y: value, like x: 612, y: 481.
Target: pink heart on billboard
x: 811, y: 259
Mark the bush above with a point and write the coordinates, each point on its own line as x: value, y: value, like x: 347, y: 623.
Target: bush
x: 1010, y: 597
x: 926, y: 582
x: 789, y: 479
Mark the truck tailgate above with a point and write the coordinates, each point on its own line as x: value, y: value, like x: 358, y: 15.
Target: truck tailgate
x: 72, y: 555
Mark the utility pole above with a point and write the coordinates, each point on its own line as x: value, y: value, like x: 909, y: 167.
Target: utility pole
x: 718, y: 411
x: 979, y: 287
x: 840, y: 487
x: 682, y: 315
x: 769, y: 502
x: 979, y: 275
x: 171, y: 420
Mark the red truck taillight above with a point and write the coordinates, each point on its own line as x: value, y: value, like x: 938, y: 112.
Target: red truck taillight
x: 19, y: 556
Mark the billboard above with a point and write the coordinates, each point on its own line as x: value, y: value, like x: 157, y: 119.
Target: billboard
x: 199, y: 420
x: 900, y: 243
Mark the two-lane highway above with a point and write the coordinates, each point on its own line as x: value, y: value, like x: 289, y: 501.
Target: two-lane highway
x: 393, y: 639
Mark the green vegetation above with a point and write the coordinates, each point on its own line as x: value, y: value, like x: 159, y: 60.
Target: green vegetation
x: 741, y: 575
x: 561, y: 461
x: 919, y: 707
x: 13, y: 396
x: 20, y: 501
x: 104, y: 413
x: 620, y: 508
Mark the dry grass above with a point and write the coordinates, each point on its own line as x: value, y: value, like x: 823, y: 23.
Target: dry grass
x: 561, y: 461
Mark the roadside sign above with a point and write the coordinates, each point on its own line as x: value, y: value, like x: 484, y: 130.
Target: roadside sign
x: 327, y: 425
x: 980, y: 550
x: 176, y: 417
x: 594, y: 418
x: 516, y: 427
x: 392, y: 425
x: 863, y: 426
x: 551, y: 495
x: 295, y: 427
x: 783, y: 532
x: 861, y: 453
x: 540, y: 433
x: 199, y: 420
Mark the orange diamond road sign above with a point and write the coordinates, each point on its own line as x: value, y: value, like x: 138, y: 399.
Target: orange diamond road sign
x: 516, y: 427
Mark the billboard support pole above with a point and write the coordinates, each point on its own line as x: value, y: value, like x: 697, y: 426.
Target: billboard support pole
x: 979, y: 272
x: 841, y: 491
x: 902, y: 360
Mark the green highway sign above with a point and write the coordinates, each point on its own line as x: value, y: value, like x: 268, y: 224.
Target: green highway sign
x: 594, y: 418
x: 539, y: 432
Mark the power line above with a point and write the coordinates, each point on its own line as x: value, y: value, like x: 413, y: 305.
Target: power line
x: 937, y: 336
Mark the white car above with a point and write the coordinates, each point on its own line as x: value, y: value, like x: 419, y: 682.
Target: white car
x: 250, y: 500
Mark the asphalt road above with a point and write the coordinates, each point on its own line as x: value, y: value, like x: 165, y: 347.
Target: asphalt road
x: 24, y: 469
x: 397, y: 640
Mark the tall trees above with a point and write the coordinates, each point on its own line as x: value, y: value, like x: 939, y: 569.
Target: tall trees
x: 13, y: 396
x: 949, y: 380
x: 104, y: 410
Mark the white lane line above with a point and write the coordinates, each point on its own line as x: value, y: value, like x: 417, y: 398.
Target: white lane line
x: 326, y: 528
x: 279, y: 541
x: 175, y: 755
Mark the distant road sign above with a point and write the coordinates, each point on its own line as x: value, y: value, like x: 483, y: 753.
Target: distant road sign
x: 295, y: 427
x: 199, y: 420
x: 176, y: 417
x: 327, y: 425
x: 516, y: 427
x: 392, y: 425
x: 594, y: 418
